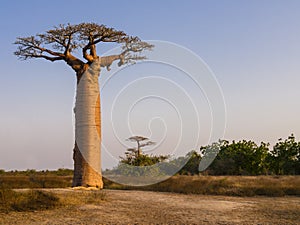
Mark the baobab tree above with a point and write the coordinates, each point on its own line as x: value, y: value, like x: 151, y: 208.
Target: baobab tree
x: 136, y: 158
x: 59, y: 44
x: 141, y: 142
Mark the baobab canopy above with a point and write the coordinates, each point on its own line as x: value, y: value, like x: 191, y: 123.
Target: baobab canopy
x: 61, y: 42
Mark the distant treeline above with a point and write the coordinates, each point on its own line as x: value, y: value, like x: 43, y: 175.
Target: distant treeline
x: 247, y: 158
x: 32, y: 172
x: 36, y: 179
x: 222, y: 158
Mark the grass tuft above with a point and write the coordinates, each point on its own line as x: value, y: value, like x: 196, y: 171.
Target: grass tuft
x: 95, y: 197
x: 26, y: 200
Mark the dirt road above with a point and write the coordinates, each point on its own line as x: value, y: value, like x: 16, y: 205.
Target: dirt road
x: 137, y: 207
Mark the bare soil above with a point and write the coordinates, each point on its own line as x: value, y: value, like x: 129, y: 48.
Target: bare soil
x: 143, y: 207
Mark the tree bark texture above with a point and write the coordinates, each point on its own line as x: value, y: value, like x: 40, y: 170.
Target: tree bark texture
x: 87, y: 149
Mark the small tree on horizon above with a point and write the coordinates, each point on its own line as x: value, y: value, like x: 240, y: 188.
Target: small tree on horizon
x: 136, y: 157
x: 141, y: 142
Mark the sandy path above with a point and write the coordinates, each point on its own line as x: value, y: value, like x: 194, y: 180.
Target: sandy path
x: 137, y: 207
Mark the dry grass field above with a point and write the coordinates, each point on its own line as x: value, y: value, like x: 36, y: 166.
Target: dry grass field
x: 145, y: 207
x: 178, y: 200
x: 273, y: 186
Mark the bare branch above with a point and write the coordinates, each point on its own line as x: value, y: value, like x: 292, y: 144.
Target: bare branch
x: 63, y: 37
x: 68, y: 45
x: 91, y: 46
x: 137, y: 138
x: 132, y: 49
x: 147, y: 143
x: 60, y: 42
x: 85, y: 55
x: 131, y: 53
x: 106, y: 61
x: 52, y: 59
x: 31, y: 48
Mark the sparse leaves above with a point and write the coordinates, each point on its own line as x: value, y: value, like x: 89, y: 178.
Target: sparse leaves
x: 59, y: 44
x: 137, y: 138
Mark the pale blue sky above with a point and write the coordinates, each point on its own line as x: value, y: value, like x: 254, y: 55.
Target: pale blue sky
x: 253, y: 48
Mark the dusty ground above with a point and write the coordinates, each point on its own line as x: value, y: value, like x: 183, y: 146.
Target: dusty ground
x: 137, y: 207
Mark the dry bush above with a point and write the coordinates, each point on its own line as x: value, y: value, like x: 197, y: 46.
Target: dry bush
x: 27, y: 200
x: 73, y: 197
x: 32, y: 200
x: 95, y: 197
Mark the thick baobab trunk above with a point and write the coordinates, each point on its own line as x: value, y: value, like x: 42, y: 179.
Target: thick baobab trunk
x: 87, y: 152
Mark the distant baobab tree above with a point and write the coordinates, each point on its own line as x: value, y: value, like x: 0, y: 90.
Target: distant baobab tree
x: 141, y: 142
x: 136, y: 158
x: 59, y: 44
